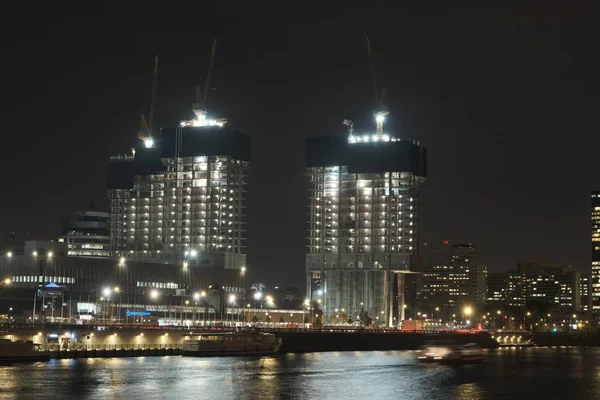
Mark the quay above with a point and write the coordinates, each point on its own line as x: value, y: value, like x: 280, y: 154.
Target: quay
x: 84, y: 341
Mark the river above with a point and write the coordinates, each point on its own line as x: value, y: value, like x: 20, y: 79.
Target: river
x: 567, y: 373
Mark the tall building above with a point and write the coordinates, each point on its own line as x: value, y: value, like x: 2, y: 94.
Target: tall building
x: 181, y: 199
x: 507, y: 289
x: 596, y: 251
x: 364, y: 211
x: 86, y: 234
x: 452, y: 278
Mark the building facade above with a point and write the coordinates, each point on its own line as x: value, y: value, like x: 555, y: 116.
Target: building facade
x: 363, y: 222
x: 557, y: 286
x: 138, y: 284
x: 86, y: 234
x: 596, y: 251
x: 585, y: 291
x: 182, y: 200
x: 452, y: 278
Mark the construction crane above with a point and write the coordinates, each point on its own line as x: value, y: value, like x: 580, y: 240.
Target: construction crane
x: 381, y: 109
x: 199, y: 107
x: 201, y: 104
x: 145, y: 132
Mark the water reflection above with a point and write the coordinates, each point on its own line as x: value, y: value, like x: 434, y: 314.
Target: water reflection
x: 509, y: 374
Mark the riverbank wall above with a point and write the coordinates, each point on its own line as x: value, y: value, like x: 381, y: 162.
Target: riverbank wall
x: 303, y: 342
x: 78, y: 341
x: 567, y: 339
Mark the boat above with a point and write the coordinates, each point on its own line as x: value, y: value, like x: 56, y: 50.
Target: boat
x: 240, y: 343
x: 21, y: 350
x: 433, y: 353
x: 452, y: 354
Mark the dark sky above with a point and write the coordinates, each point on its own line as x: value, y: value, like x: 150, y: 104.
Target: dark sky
x: 506, y: 100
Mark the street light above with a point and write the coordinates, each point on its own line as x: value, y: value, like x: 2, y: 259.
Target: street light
x: 196, y: 296
x: 468, y: 311
x: 185, y: 264
x: 106, y: 292
x: 193, y: 253
x: 243, y: 270
x: 50, y: 254
x: 9, y: 254
x: 122, y: 261
x: 7, y: 281
x: 154, y: 294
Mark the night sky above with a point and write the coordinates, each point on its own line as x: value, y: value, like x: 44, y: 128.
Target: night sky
x: 506, y: 101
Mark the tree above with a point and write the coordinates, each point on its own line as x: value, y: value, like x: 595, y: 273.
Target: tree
x: 281, y: 320
x: 317, y: 323
x: 364, y: 318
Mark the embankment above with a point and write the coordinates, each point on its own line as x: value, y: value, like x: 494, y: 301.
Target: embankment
x: 300, y: 342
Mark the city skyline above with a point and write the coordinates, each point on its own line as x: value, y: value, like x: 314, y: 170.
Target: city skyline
x: 493, y: 148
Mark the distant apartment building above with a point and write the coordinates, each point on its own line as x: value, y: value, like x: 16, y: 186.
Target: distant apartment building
x: 86, y: 234
x: 596, y: 251
x: 506, y: 289
x: 558, y: 286
x: 452, y: 277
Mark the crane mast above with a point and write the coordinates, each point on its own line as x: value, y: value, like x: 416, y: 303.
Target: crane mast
x: 380, y: 111
x: 145, y: 132
x: 200, y: 106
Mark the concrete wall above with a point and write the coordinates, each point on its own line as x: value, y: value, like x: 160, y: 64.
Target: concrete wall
x: 95, y: 338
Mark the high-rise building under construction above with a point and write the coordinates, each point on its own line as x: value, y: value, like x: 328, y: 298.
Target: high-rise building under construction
x: 179, y: 196
x: 182, y: 200
x: 363, y: 221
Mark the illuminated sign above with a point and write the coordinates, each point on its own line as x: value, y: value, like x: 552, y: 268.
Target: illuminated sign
x: 137, y: 313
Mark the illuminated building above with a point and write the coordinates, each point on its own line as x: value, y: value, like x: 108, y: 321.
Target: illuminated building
x: 364, y: 195
x: 596, y: 251
x: 507, y: 289
x: 133, y: 284
x: 86, y: 234
x: 181, y: 200
x: 556, y: 285
x: 585, y: 290
x: 452, y: 278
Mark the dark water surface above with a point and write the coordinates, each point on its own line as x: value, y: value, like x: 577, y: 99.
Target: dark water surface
x: 544, y: 373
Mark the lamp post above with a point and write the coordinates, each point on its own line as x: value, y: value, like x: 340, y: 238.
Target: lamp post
x: 467, y: 311
x: 305, y: 304
x: 106, y: 294
x: 231, y: 301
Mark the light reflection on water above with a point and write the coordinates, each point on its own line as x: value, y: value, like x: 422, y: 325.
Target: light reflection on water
x: 508, y: 374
